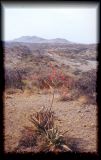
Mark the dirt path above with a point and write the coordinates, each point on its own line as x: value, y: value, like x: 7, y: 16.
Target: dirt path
x: 80, y: 120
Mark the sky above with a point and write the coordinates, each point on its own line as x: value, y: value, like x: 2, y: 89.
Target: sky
x: 76, y: 24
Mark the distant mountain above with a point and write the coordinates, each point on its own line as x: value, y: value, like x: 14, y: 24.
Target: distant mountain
x: 29, y: 39
x: 59, y: 40
x: 35, y: 39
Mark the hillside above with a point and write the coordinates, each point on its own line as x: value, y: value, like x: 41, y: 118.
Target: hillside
x: 35, y: 39
x: 72, y: 57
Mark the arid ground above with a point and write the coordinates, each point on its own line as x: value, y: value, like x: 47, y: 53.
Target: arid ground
x: 78, y: 119
x: 27, y: 71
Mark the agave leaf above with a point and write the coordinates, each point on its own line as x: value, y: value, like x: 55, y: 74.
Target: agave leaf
x: 34, y: 119
x: 65, y: 147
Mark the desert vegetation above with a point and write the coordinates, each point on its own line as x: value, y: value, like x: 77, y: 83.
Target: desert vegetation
x: 47, y: 85
x: 45, y: 137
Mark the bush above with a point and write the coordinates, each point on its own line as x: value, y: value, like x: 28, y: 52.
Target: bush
x: 56, y: 82
x: 87, y: 83
x: 13, y: 78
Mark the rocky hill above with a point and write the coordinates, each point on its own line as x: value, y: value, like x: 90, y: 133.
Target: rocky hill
x: 35, y: 39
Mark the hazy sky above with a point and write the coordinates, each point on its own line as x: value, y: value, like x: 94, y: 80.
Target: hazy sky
x: 77, y: 24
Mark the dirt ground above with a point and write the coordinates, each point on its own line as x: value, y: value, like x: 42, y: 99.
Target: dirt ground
x: 79, y: 119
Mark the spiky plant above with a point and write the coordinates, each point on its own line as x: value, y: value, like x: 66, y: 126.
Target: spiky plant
x: 44, y: 123
x: 43, y: 119
x: 56, y: 140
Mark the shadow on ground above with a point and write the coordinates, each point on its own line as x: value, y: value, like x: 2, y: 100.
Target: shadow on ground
x: 76, y: 144
x: 32, y: 142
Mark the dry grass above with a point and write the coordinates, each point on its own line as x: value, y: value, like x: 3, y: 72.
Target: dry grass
x: 65, y: 98
x: 11, y: 91
x: 83, y: 99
